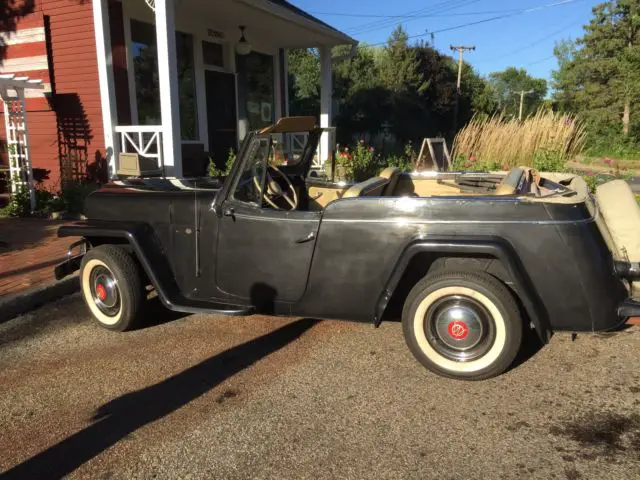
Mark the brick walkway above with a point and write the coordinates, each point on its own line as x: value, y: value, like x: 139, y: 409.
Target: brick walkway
x: 29, y: 250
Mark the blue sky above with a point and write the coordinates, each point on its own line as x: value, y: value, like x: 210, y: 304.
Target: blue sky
x: 522, y: 40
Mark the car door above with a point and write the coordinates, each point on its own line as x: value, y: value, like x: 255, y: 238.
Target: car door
x: 263, y: 254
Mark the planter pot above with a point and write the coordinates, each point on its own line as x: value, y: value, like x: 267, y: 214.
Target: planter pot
x: 340, y: 173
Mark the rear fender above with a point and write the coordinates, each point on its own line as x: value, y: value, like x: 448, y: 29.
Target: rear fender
x: 492, y: 247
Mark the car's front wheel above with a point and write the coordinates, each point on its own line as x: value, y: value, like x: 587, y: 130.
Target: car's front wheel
x: 112, y: 287
x: 463, y: 325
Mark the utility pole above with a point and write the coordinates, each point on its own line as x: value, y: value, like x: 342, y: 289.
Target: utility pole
x: 522, y: 93
x: 460, y: 49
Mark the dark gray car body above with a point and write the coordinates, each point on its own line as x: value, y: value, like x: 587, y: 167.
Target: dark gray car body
x: 204, y: 251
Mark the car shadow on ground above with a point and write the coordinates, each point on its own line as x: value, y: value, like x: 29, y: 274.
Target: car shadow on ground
x: 125, y: 414
x: 40, y: 322
x: 154, y: 313
x: 531, y: 344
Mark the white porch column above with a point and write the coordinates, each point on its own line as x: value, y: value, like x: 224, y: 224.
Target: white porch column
x: 326, y: 96
x: 168, y: 79
x: 105, y: 80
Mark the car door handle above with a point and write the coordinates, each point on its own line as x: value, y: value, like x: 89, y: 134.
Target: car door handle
x: 229, y: 212
x: 308, y: 238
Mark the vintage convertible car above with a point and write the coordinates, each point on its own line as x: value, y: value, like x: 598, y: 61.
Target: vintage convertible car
x: 471, y: 262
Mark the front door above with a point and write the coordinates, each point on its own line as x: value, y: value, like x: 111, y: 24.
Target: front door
x: 264, y: 254
x: 221, y: 114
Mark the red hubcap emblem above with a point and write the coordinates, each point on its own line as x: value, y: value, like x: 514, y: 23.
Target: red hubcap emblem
x: 101, y: 292
x: 458, y: 329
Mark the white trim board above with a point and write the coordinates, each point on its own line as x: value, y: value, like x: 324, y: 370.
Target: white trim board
x: 25, y: 64
x: 26, y: 35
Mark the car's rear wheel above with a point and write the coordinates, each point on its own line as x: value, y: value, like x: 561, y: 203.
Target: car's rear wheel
x: 112, y: 287
x: 463, y: 325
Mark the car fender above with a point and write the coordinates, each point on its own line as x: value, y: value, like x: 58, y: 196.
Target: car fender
x: 494, y: 247
x: 140, y: 238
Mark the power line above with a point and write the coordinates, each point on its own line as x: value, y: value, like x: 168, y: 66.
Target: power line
x: 540, y: 61
x: 385, y: 22
x: 438, y: 7
x: 548, y: 36
x: 459, y: 14
x: 486, y: 20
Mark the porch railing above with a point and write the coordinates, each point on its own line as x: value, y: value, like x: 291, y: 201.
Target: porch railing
x: 144, y: 140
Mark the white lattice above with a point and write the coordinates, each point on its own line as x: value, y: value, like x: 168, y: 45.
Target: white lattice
x: 145, y: 140
x: 15, y: 118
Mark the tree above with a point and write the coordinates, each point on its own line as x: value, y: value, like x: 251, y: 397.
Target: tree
x: 508, y: 85
x: 399, y: 66
x: 601, y: 77
x: 565, y: 79
x: 10, y: 13
x: 304, y: 82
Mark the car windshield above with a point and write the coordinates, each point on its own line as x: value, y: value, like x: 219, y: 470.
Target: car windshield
x: 248, y: 188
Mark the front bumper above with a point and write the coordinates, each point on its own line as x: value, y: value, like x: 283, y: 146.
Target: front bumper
x: 72, y: 262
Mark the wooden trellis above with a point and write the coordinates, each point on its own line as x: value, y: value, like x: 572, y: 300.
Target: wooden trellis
x: 15, y: 119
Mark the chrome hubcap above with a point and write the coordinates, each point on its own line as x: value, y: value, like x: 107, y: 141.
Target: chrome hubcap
x: 459, y: 328
x: 104, y: 291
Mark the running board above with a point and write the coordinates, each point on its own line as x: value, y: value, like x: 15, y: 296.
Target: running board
x: 199, y: 306
x: 629, y: 308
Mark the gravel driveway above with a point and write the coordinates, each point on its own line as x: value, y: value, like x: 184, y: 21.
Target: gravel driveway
x: 262, y: 397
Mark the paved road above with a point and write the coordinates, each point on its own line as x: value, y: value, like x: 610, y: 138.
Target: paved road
x: 262, y: 397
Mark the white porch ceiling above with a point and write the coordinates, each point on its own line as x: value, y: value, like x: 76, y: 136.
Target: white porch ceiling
x: 266, y: 22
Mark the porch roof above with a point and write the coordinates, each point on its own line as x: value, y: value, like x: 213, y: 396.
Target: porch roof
x: 276, y: 23
x: 302, y: 13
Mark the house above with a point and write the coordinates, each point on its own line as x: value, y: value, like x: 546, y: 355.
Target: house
x: 175, y: 80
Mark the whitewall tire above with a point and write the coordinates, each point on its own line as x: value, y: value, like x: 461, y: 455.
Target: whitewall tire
x: 111, y: 286
x: 462, y: 325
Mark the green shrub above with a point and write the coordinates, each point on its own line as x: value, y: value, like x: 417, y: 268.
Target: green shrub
x: 20, y: 202
x: 547, y: 160
x: 399, y: 161
x: 70, y: 199
x: 461, y: 164
x: 359, y: 163
x: 214, y: 171
x: 594, y: 180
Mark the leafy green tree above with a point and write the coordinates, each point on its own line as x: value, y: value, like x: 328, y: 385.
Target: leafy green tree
x: 565, y: 79
x: 600, y: 77
x: 406, y: 90
x: 304, y: 82
x: 399, y: 66
x: 507, y: 86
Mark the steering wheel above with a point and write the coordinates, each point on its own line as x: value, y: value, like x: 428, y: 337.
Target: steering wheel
x: 274, y: 190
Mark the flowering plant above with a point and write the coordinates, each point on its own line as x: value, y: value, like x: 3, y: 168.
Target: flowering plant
x: 359, y: 163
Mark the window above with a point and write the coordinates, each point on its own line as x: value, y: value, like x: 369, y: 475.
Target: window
x: 256, y: 89
x: 213, y: 54
x: 147, y: 85
x: 249, y: 186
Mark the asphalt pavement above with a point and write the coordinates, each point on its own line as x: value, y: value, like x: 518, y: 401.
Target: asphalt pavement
x: 262, y: 397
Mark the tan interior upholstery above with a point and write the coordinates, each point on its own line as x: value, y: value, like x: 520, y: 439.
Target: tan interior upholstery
x: 509, y: 186
x: 392, y: 174
x: 320, y: 197
x: 369, y: 188
x: 425, y: 187
x: 621, y: 214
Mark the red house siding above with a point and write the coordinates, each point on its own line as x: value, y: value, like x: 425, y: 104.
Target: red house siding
x: 65, y: 129
x: 76, y: 98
